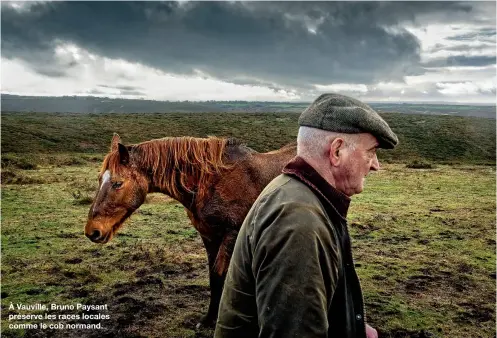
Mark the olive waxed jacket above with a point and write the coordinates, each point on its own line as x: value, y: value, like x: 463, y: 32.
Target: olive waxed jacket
x: 292, y: 273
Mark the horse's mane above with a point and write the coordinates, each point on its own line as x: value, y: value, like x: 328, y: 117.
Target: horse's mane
x: 178, y: 162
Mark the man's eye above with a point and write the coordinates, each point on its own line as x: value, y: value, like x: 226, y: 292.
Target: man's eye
x: 117, y: 185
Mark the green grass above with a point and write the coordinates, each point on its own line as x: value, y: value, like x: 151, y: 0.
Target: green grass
x: 423, y: 241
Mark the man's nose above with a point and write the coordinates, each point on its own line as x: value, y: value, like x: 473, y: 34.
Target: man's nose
x: 375, y: 165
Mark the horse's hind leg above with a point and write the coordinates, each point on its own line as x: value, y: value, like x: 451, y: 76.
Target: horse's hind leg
x: 219, y: 258
x: 216, y: 283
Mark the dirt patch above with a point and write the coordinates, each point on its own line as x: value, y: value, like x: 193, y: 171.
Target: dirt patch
x: 473, y: 312
x: 403, y: 333
x: 379, y: 277
x: 33, y: 292
x: 431, y: 279
x: 139, y: 284
x: 365, y: 227
x: 191, y: 289
x: 68, y: 235
x: 150, y: 280
x: 396, y: 239
x: 420, y: 283
x: 450, y: 235
x: 79, y: 293
x: 73, y: 260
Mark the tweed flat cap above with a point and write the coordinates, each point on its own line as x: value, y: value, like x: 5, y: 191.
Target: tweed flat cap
x: 343, y: 114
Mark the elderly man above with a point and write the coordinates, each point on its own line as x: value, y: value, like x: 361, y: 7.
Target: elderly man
x: 292, y: 272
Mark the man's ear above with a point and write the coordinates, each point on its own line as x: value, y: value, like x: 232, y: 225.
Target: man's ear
x: 335, y: 147
x: 123, y: 154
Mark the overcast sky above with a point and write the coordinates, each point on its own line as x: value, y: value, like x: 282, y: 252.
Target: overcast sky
x: 267, y: 51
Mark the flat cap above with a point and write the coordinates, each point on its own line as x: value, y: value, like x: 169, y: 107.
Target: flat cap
x: 343, y: 114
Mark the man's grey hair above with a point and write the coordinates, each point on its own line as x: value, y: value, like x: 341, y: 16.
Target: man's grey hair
x: 314, y: 143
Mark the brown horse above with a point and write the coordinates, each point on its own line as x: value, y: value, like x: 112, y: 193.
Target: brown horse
x: 217, y: 180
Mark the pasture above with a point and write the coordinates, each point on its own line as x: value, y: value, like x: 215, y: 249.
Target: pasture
x: 423, y: 239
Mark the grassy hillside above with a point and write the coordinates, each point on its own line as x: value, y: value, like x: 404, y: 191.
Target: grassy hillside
x: 433, y: 138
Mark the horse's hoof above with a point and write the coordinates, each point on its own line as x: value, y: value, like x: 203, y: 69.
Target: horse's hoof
x: 206, y: 321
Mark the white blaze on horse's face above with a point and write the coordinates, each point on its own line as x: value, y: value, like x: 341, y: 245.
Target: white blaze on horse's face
x: 105, y: 178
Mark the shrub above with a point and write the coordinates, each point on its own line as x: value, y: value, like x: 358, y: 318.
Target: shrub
x: 8, y: 176
x: 19, y: 163
x: 11, y: 177
x: 419, y: 164
x: 85, y: 185
x: 71, y: 160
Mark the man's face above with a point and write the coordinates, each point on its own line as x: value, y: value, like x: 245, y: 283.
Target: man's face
x: 356, y: 162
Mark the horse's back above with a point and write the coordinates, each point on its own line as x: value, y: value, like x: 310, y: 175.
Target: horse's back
x: 270, y: 164
x: 237, y: 188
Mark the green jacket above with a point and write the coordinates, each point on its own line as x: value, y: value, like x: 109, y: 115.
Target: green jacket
x: 292, y: 273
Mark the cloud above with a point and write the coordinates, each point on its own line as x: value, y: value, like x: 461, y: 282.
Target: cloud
x: 312, y: 42
x: 343, y: 87
x: 100, y: 76
x: 466, y: 88
x: 277, y: 49
x: 462, y: 60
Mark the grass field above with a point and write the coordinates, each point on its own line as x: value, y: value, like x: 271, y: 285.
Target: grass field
x: 424, y: 239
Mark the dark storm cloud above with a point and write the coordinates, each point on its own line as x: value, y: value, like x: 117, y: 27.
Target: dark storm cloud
x: 478, y: 47
x: 272, y: 43
x: 482, y: 34
x: 461, y: 60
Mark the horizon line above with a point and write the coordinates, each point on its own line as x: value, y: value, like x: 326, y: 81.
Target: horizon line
x: 238, y: 100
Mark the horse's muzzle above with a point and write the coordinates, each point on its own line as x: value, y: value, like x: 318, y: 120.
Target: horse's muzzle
x: 96, y: 237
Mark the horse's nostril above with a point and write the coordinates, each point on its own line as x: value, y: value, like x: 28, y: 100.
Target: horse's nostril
x: 94, y: 235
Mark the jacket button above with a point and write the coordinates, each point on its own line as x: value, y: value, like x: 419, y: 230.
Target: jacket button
x: 358, y: 317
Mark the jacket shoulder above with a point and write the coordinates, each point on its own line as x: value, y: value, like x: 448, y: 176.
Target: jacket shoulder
x: 289, y: 189
x: 290, y: 205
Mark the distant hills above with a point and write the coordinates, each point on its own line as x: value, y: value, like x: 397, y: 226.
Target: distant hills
x: 90, y: 104
x: 436, y: 138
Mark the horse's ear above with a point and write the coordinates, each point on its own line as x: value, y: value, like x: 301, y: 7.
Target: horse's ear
x: 115, y: 141
x: 123, y: 154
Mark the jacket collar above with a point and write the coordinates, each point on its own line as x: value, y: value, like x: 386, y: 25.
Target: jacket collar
x: 303, y: 171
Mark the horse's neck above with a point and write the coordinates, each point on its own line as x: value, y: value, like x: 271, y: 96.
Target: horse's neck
x: 160, y: 180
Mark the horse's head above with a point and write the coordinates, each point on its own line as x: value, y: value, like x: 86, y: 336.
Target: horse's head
x: 122, y: 189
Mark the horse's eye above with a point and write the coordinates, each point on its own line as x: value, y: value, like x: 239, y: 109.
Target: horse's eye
x: 117, y: 185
